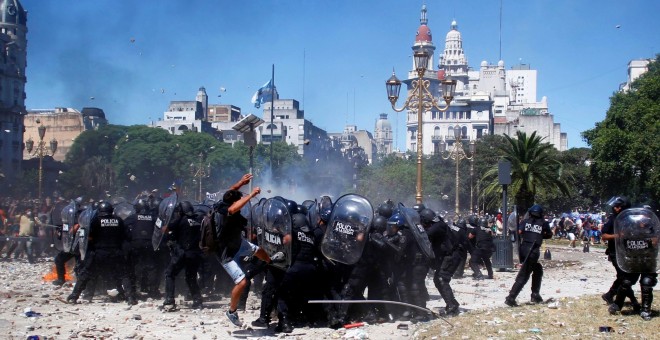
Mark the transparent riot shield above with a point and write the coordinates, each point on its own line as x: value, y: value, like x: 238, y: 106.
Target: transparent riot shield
x: 246, y: 211
x: 313, y: 215
x: 418, y: 231
x: 123, y: 209
x: 277, y: 230
x: 68, y: 221
x: 637, y: 232
x: 165, y: 214
x: 348, y: 228
x: 82, y: 236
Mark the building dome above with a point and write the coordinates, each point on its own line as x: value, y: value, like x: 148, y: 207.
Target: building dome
x: 383, y: 123
x: 500, y: 64
x: 12, y: 12
x: 423, y: 34
x: 484, y: 63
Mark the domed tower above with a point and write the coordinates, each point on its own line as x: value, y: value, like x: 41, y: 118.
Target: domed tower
x: 453, y: 60
x: 383, y: 135
x: 13, y: 45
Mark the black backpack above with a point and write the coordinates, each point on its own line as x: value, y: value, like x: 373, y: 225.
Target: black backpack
x: 211, y: 227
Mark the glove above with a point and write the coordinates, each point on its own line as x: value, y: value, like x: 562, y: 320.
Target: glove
x: 278, y: 257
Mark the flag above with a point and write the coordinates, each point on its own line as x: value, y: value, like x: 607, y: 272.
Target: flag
x: 264, y: 94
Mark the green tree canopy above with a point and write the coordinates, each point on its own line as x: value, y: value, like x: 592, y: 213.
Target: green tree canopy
x: 625, y: 145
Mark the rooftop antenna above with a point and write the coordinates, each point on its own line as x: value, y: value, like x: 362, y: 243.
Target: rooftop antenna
x: 303, y: 80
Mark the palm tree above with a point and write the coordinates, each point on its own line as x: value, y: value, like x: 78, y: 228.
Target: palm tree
x: 534, y: 168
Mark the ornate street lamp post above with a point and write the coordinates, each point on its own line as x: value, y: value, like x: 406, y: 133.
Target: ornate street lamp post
x: 200, y: 171
x: 457, y: 154
x: 40, y: 151
x: 421, y: 100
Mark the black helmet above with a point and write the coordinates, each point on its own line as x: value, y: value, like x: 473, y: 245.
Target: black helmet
x: 105, y: 209
x: 428, y: 216
x: 299, y: 221
x: 386, y: 209
x: 419, y: 207
x: 154, y: 203
x: 536, y: 211
x: 379, y: 224
x: 324, y: 214
x: 186, y: 208
x: 302, y: 209
x: 483, y: 222
x: 473, y: 220
x: 619, y: 201
x: 292, y: 206
x: 140, y: 205
x: 461, y: 223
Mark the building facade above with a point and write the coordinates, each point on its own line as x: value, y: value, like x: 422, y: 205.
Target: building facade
x: 636, y: 68
x: 490, y: 100
x: 63, y: 125
x: 383, y: 137
x: 13, y: 44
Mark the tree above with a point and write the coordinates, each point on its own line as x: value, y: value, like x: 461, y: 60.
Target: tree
x: 625, y: 145
x: 534, y: 168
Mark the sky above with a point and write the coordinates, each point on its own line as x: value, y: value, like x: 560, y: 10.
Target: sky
x: 131, y: 58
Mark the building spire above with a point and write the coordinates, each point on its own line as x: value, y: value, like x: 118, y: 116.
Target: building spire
x: 423, y: 20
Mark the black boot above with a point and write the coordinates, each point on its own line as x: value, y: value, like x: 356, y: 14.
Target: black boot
x: 615, y: 307
x: 647, y: 300
x: 448, y: 295
x: 284, y: 325
x: 537, y: 278
x: 513, y: 294
x: 609, y: 296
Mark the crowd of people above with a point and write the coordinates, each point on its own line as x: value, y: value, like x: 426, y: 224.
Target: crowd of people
x: 290, y: 252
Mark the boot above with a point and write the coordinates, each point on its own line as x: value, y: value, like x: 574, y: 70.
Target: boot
x: 615, y: 308
x: 284, y: 325
x: 647, y: 299
x: 448, y: 295
x: 608, y: 297
x: 537, y: 278
x: 513, y: 293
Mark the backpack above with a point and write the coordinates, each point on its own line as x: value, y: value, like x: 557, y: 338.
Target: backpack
x: 212, y: 224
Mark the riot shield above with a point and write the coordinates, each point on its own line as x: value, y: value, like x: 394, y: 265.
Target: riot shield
x: 418, y: 231
x: 277, y: 225
x: 246, y: 211
x: 348, y: 227
x: 259, y: 219
x: 165, y: 214
x: 68, y: 221
x: 123, y: 210
x: 637, y: 232
x: 313, y: 215
x: 82, y: 236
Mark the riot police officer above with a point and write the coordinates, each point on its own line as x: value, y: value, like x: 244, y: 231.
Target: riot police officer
x: 532, y: 231
x: 142, y: 257
x: 184, y: 234
x: 295, y: 289
x: 446, y: 259
x: 104, y: 254
x: 463, y: 246
x: 483, y: 248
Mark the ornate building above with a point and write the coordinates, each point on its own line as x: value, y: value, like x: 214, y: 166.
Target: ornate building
x: 13, y: 44
x: 383, y: 135
x: 490, y: 100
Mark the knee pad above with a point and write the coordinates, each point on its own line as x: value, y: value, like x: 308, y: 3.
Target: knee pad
x: 626, y: 283
x: 648, y: 281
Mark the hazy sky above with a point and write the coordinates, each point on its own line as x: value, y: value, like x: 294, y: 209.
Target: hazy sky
x: 131, y: 58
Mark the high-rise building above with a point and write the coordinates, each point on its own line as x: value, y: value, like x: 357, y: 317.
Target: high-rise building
x: 13, y: 44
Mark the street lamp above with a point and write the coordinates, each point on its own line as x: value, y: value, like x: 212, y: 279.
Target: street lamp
x: 421, y: 100
x: 200, y: 171
x: 40, y: 151
x: 457, y: 154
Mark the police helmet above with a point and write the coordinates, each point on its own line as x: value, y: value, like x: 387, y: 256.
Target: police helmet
x: 291, y: 206
x: 386, y: 209
x: 394, y: 223
x: 536, y: 211
x: 379, y: 224
x: 155, y: 203
x: 299, y: 221
x: 473, y: 220
x: 324, y: 214
x: 186, y: 208
x: 619, y: 201
x: 140, y: 205
x: 105, y: 209
x: 461, y: 223
x: 483, y: 222
x: 428, y: 216
x: 419, y: 207
x: 302, y: 209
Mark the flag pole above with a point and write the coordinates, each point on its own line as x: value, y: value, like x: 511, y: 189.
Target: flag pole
x: 272, y: 104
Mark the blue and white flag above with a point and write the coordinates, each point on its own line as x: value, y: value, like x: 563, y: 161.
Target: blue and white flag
x: 264, y: 94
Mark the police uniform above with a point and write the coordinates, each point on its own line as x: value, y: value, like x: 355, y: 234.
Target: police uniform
x: 185, y: 254
x: 532, y: 232
x: 483, y: 249
x: 142, y: 257
x: 447, y: 259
